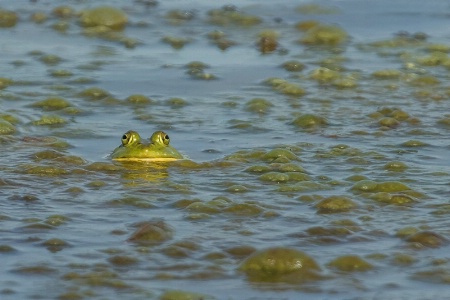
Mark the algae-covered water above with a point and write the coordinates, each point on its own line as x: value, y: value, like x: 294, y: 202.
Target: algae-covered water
x: 316, y: 137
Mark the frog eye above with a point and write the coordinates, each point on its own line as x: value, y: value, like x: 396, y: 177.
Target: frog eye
x: 166, y: 139
x: 126, y: 139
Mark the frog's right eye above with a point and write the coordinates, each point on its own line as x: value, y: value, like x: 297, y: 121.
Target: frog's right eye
x: 126, y: 138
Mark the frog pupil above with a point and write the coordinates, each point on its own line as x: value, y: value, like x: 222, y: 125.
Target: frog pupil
x: 166, y: 137
x: 124, y: 137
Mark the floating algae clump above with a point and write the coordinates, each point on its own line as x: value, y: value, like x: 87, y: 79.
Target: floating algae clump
x: 138, y: 99
x: 350, y: 263
x: 387, y: 74
x: 293, y: 66
x: 183, y: 295
x: 8, y: 18
x: 5, y: 82
x: 49, y: 120
x: 93, y: 93
x: 309, y: 121
x: 268, y: 41
x: 229, y: 15
x: 279, y: 153
x: 369, y: 186
x: 280, y: 265
x: 104, y: 16
x: 285, y: 87
x: 52, y: 103
x: 6, y: 127
x: 326, y: 35
x: 427, y: 239
x: 323, y: 75
x: 394, y: 199
x: 151, y: 232
x: 335, y: 204
x: 258, y: 105
x: 316, y: 9
x: 274, y: 177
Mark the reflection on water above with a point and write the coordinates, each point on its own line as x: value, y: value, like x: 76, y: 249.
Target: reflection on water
x: 317, y: 137
x: 143, y: 172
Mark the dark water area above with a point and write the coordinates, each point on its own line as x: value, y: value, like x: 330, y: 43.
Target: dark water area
x: 316, y: 137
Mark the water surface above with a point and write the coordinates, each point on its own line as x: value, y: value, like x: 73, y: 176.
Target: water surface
x: 67, y: 212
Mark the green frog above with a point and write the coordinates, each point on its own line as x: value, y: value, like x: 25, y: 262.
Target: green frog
x: 133, y: 148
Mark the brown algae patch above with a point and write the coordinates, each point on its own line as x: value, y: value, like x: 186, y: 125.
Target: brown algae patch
x: 104, y: 16
x: 388, y: 74
x: 6, y: 128
x: 413, y: 144
x: 388, y: 192
x: 427, y: 239
x: 8, y: 18
x: 395, y: 166
x: 179, y: 17
x: 258, y: 105
x: 316, y: 9
x: 444, y: 122
x: 50, y: 120
x: 335, y: 204
x: 324, y: 75
x: 7, y: 249
x: 100, y: 278
x: 309, y: 122
x: 42, y: 170
x: 285, y: 87
x: 279, y: 153
x: 57, y: 220
x: 350, y: 263
x: 324, y: 35
x: 5, y: 82
x: 138, y: 99
x: 435, y: 275
x: 55, y: 245
x: 184, y: 295
x: 52, y: 103
x: 369, y: 186
x: 151, y: 232
x: 280, y: 264
x: 94, y: 93
x: 230, y: 15
x: 36, y: 270
x: 123, y: 260
x: 132, y: 201
x: 392, y: 117
x: 293, y: 66
x: 395, y: 199
x: 63, y: 12
x: 268, y: 41
x: 176, y: 42
x: 221, y: 205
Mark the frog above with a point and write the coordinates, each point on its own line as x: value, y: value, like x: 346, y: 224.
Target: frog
x: 134, y: 148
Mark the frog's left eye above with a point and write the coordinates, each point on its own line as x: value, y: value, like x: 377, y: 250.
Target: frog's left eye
x: 166, y: 139
x: 124, y: 137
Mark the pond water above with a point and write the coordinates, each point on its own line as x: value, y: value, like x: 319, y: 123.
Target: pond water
x: 316, y: 138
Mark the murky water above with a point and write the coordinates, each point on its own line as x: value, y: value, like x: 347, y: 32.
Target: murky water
x: 333, y: 184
